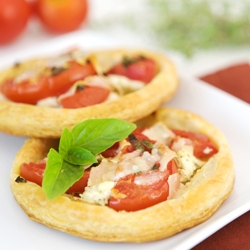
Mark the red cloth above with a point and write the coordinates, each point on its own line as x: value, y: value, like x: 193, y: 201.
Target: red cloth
x: 236, y: 235
x: 234, y: 80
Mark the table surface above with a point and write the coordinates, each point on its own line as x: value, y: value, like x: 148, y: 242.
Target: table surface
x: 235, y: 234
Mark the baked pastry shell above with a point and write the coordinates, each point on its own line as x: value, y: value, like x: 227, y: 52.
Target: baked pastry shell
x: 46, y: 122
x: 194, y: 203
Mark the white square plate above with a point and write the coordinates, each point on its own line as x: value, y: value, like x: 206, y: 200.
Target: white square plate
x: 229, y: 114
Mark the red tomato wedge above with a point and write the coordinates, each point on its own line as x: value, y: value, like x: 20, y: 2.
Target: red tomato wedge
x: 34, y: 172
x: 89, y: 96
x: 46, y: 86
x: 132, y: 197
x: 172, y: 167
x: 112, y: 151
x: 141, y: 69
x: 201, y: 143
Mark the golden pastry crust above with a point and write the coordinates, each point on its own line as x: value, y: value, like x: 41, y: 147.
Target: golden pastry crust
x: 35, y: 121
x: 194, y: 203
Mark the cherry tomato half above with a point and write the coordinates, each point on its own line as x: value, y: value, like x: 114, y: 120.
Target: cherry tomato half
x: 141, y: 69
x: 89, y: 96
x: 62, y: 16
x: 34, y: 172
x: 200, y: 141
x: 31, y: 93
x: 112, y: 151
x: 14, y: 15
x: 137, y: 197
x: 172, y: 167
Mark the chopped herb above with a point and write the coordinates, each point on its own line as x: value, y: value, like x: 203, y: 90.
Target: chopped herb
x: 57, y: 70
x: 79, y: 87
x: 155, y: 167
x: 142, y: 145
x: 128, y: 61
x: 16, y: 64
x: 19, y: 179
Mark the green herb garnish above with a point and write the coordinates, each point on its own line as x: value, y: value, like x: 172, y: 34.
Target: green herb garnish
x: 127, y: 61
x: 19, y: 179
x: 142, y: 145
x: 57, y: 70
x: 77, y: 151
x: 189, y: 26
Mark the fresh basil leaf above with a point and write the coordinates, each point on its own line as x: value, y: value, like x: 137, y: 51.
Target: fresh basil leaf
x: 65, y: 142
x: 78, y: 148
x: 59, y: 175
x: 96, y: 135
x: 80, y: 156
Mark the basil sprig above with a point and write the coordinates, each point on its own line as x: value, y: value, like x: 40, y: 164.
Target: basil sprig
x: 78, y: 149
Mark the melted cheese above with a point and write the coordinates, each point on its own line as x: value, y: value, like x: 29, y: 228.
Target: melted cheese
x: 160, y: 133
x: 122, y: 85
x: 49, y: 102
x: 189, y: 163
x: 98, y: 194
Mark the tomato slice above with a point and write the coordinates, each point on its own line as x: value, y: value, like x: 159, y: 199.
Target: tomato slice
x: 203, y: 146
x: 132, y: 197
x: 34, y: 172
x: 138, y: 68
x: 46, y: 86
x: 112, y: 151
x: 172, y: 167
x: 89, y: 96
x: 79, y: 186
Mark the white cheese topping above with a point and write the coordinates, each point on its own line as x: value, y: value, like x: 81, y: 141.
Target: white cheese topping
x: 122, y: 85
x: 98, y: 194
x: 49, y: 102
x: 160, y: 133
x: 189, y: 163
x: 207, y: 150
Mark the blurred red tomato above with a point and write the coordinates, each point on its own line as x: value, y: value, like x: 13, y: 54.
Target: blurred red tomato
x: 62, y: 16
x: 14, y: 15
x: 33, y: 6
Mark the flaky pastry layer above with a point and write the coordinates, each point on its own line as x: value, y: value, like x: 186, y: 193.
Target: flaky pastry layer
x: 194, y: 203
x: 44, y: 122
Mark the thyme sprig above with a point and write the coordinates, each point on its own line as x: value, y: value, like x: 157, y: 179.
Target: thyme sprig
x: 189, y: 26
x: 192, y: 25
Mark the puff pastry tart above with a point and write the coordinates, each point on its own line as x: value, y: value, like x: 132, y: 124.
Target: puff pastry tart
x: 170, y: 173
x: 39, y: 97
